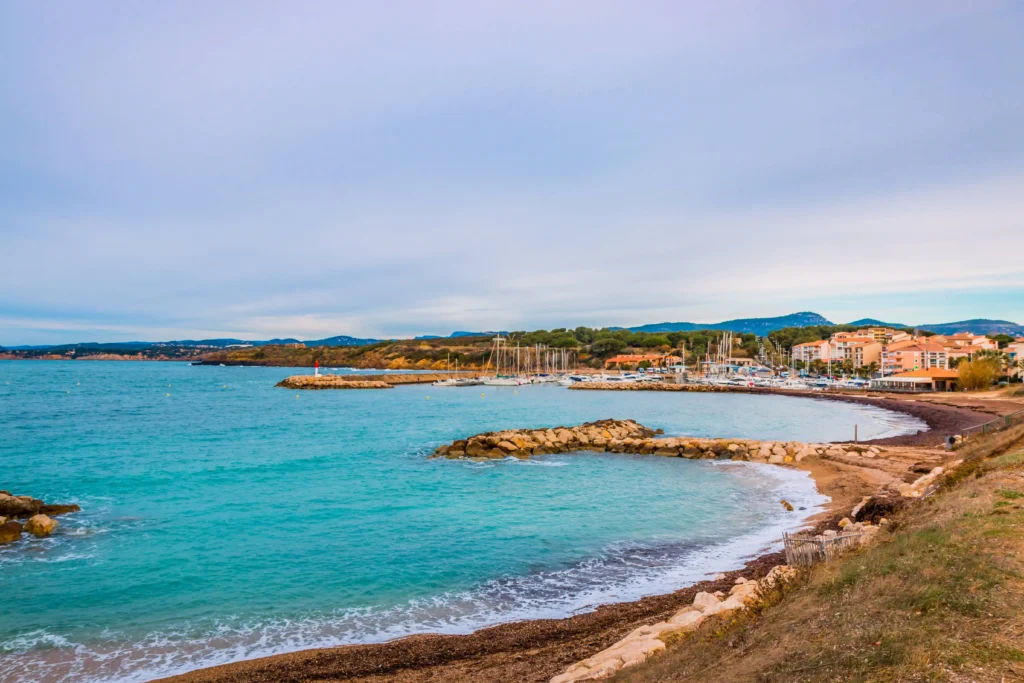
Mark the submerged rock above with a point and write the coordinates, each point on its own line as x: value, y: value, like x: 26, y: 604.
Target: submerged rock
x: 9, y: 532
x: 41, y: 526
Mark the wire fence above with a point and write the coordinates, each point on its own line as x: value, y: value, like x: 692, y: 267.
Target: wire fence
x: 996, y: 425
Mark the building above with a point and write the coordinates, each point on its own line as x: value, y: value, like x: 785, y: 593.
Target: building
x: 633, y: 361
x: 976, y: 342
x: 934, y: 379
x: 920, y: 355
x: 864, y: 353
x: 1015, y: 351
x: 844, y: 347
x: 809, y: 352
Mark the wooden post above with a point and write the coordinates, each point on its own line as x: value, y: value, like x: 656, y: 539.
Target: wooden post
x: 855, y: 433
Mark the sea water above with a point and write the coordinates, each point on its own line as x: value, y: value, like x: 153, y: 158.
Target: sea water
x: 224, y: 518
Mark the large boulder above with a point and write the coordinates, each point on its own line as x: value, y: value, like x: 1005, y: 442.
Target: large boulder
x: 9, y: 531
x: 40, y: 526
x: 18, y: 506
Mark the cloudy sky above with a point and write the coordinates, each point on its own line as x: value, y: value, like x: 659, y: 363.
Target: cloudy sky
x: 192, y: 169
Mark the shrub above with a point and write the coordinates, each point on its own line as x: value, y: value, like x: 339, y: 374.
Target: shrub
x: 980, y: 373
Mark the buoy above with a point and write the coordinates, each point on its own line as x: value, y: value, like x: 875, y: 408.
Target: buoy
x: 79, y: 384
x: 69, y: 391
x: 515, y: 391
x: 225, y: 386
x: 168, y: 394
x: 296, y: 395
x: 428, y: 398
x: 481, y: 395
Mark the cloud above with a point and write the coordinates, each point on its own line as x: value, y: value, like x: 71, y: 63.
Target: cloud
x: 340, y: 169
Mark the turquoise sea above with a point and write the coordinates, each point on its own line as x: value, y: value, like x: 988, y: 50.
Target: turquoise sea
x: 225, y: 519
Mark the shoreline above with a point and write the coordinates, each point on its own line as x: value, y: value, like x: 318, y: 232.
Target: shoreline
x: 538, y: 649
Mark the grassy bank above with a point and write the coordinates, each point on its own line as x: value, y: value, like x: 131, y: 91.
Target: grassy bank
x: 939, y: 597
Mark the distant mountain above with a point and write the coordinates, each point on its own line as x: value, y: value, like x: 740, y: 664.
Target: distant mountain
x: 874, y: 322
x: 340, y: 340
x: 977, y: 326
x: 759, y: 326
x: 456, y: 334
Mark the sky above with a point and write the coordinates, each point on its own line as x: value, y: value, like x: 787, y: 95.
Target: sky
x: 308, y: 169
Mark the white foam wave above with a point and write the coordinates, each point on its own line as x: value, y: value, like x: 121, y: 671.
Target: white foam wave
x: 623, y: 572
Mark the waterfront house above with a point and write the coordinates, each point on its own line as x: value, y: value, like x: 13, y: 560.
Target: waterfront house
x: 633, y: 361
x: 930, y: 379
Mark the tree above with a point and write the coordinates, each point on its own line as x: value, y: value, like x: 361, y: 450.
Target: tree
x: 607, y: 346
x: 564, y: 341
x: 655, y: 340
x: 979, y: 373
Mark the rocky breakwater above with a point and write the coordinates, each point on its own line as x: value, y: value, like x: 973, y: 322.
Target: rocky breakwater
x: 522, y: 443
x: 627, y: 436
x: 38, y: 514
x: 330, y: 382
x: 646, y: 641
x: 356, y: 381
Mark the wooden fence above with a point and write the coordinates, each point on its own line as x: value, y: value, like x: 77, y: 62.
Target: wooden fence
x: 803, y: 550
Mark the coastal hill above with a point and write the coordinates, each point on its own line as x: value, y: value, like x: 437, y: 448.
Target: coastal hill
x: 432, y: 352
x: 758, y: 326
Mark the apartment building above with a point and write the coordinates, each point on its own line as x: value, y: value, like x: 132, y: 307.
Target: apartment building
x: 812, y: 351
x: 921, y: 355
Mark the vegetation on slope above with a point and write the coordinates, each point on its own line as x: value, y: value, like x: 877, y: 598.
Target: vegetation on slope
x: 939, y: 598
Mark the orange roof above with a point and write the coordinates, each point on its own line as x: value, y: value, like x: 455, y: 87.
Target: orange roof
x: 932, y: 373
x: 817, y: 343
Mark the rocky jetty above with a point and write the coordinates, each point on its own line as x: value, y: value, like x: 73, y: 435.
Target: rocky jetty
x: 34, y: 510
x: 627, y: 436
x: 356, y: 381
x: 330, y: 382
x: 648, y: 640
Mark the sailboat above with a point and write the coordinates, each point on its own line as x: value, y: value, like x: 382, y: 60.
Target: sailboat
x: 500, y: 380
x: 457, y: 381
x: 449, y: 381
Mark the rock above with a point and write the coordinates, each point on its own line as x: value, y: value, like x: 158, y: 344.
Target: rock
x: 687, y: 620
x: 40, y: 526
x: 776, y: 459
x: 507, y: 446
x: 844, y: 522
x: 718, y: 577
x: 787, y: 505
x: 18, y: 506
x: 9, y: 532
x: 829, y: 533
x: 703, y: 601
x: 858, y: 506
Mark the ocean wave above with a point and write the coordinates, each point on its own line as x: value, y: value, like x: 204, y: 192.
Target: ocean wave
x: 622, y: 572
